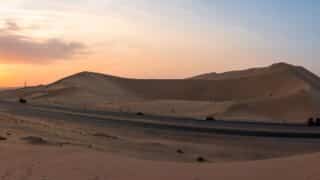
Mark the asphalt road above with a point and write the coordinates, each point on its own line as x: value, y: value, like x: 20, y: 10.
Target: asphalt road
x: 117, y: 119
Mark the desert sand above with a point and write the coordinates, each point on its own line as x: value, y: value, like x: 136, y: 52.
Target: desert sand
x: 18, y: 162
x: 86, y: 126
x: 278, y: 93
x: 41, y: 146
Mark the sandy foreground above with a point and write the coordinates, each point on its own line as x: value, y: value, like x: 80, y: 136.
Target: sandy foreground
x: 40, y: 146
x: 45, y: 163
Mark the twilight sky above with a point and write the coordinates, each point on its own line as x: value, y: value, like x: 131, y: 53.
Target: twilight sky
x: 44, y: 40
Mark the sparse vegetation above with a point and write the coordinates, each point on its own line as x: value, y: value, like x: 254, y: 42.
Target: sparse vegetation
x: 2, y: 138
x: 201, y: 159
x: 23, y: 101
x: 311, y: 122
x: 140, y: 114
x: 180, y: 151
x: 318, y: 122
x: 210, y: 118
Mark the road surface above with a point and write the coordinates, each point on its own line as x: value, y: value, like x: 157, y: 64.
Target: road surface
x: 116, y: 119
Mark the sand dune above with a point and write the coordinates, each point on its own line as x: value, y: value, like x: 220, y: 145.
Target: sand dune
x: 280, y: 92
x: 36, y: 144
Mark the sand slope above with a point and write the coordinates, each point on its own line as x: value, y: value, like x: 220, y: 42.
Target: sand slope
x: 280, y: 92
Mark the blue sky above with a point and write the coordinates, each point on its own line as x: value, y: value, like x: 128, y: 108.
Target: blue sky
x: 291, y: 24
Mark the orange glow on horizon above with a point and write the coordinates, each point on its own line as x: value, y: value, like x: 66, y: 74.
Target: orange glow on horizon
x: 121, y: 44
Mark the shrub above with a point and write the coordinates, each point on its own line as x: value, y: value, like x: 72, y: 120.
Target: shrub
x: 210, y: 118
x: 201, y: 159
x: 317, y: 122
x: 140, y: 114
x: 2, y: 138
x: 23, y: 101
x: 311, y: 122
x: 179, y: 151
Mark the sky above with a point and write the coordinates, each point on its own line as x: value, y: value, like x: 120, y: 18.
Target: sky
x: 44, y: 40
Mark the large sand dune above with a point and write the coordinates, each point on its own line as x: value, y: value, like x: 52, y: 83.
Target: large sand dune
x: 280, y: 92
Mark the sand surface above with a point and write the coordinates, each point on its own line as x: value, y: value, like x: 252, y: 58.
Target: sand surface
x: 85, y: 127
x: 38, y: 163
x: 41, y: 146
x: 277, y: 93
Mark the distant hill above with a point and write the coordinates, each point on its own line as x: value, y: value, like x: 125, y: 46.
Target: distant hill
x: 254, y: 72
x: 280, y: 92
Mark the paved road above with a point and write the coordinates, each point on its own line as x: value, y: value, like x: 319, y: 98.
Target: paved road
x: 116, y: 119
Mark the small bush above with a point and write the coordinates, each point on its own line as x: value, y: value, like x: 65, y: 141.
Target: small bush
x: 210, y: 118
x: 311, y: 122
x: 2, y: 138
x: 317, y: 122
x: 23, y: 101
x: 201, y: 159
x: 140, y: 114
x: 179, y: 151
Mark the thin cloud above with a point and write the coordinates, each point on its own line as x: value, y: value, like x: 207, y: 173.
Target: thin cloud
x: 12, y: 26
x: 15, y: 48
